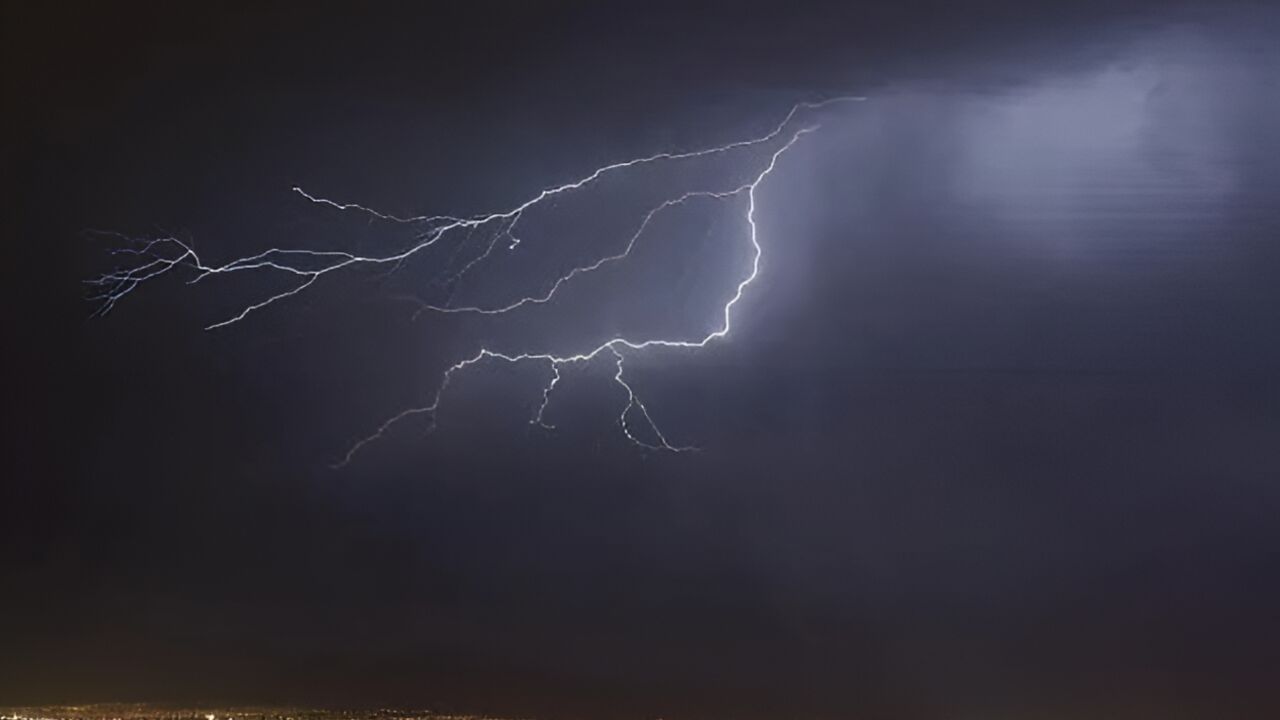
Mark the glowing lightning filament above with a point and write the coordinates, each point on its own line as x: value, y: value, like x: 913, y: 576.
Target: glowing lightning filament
x: 158, y: 256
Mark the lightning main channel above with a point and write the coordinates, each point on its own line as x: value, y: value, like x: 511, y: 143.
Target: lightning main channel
x: 158, y: 256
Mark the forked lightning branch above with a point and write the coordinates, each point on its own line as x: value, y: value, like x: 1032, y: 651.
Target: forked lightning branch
x: 154, y: 257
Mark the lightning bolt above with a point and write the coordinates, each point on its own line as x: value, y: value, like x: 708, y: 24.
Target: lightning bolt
x: 157, y: 256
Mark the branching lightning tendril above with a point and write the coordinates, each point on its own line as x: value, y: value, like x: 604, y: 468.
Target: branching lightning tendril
x: 158, y: 256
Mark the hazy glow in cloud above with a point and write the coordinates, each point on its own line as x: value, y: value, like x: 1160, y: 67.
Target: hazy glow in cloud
x: 1148, y: 126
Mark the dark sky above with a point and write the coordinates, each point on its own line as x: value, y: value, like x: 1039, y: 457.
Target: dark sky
x: 997, y: 433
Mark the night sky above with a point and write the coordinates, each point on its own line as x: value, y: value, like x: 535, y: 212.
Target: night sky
x: 996, y: 433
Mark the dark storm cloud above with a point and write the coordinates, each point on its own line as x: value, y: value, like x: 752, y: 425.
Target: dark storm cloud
x: 998, y: 435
